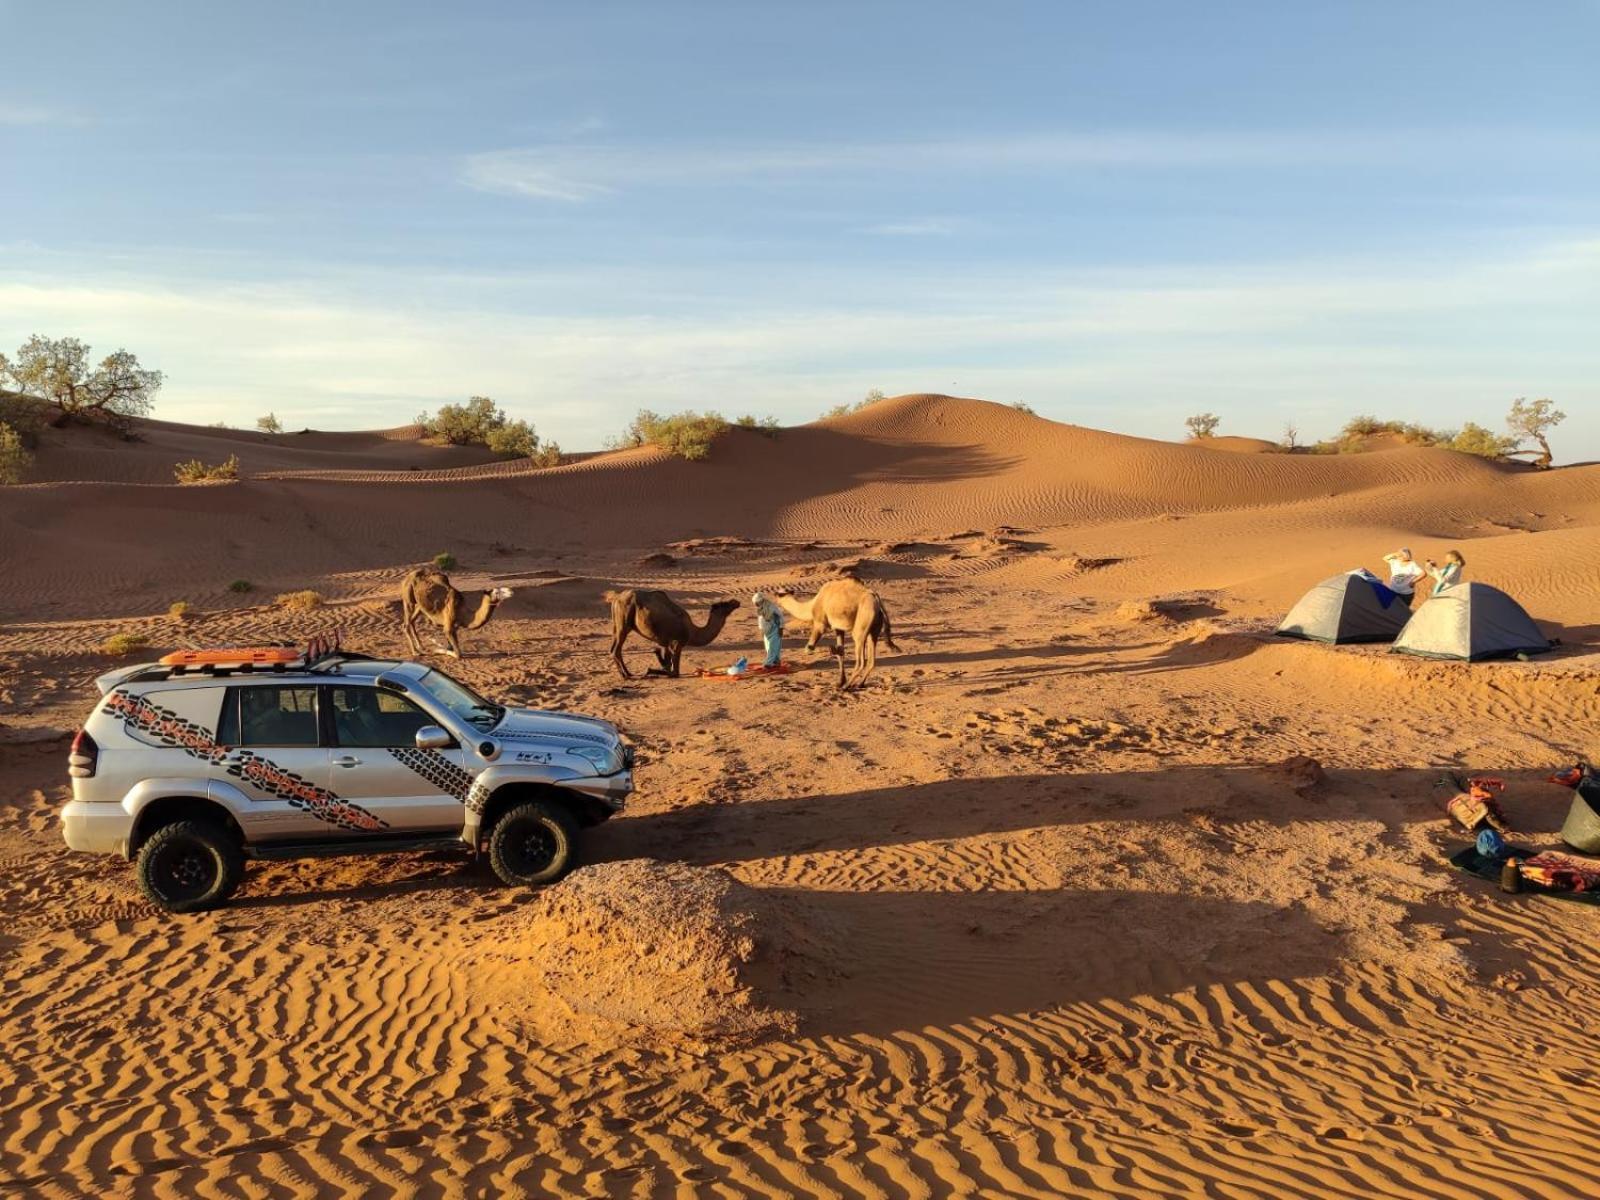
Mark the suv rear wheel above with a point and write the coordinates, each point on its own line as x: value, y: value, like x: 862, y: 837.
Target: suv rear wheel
x: 535, y: 842
x: 189, y: 866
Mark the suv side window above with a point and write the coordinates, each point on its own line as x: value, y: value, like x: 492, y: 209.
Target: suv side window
x: 375, y: 717
x: 269, y: 716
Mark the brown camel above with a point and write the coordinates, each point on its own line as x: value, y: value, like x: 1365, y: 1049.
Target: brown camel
x: 657, y: 617
x: 428, y: 592
x: 845, y: 606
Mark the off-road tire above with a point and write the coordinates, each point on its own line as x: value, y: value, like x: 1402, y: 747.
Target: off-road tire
x: 189, y: 866
x: 535, y: 842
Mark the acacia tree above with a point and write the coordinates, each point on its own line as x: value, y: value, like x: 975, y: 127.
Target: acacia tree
x: 1533, y: 419
x: 1203, y: 425
x: 58, y: 370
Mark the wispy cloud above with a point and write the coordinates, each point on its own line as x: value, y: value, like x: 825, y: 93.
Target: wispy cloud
x: 36, y: 114
x: 570, y: 171
x: 924, y: 227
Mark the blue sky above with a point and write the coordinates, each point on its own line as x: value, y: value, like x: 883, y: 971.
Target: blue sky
x: 1119, y: 213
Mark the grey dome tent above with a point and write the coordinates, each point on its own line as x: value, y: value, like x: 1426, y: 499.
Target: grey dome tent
x: 1472, y: 621
x: 1352, y: 607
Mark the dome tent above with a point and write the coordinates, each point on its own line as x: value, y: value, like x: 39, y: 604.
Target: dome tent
x: 1471, y: 621
x: 1350, y: 607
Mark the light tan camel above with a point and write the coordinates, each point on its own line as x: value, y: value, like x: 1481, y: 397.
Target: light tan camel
x: 844, y: 606
x: 428, y: 592
x: 657, y: 617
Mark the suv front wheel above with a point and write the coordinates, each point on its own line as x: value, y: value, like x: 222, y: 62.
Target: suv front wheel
x: 533, y: 843
x: 189, y: 866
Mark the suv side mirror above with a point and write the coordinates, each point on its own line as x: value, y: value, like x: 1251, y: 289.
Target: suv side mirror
x: 433, y: 737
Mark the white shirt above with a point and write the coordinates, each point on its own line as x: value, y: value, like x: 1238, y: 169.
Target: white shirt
x: 1403, y: 576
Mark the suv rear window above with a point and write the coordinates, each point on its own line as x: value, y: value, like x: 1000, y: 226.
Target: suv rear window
x: 269, y: 716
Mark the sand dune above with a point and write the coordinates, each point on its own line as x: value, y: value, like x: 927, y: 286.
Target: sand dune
x: 1050, y: 920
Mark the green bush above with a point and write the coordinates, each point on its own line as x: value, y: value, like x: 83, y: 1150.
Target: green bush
x: 195, y: 471
x: 687, y: 434
x: 1475, y: 439
x: 241, y: 585
x: 445, y: 561
x: 482, y: 422
x: 766, y: 426
x: 14, y: 456
x: 1023, y: 408
x: 119, y: 645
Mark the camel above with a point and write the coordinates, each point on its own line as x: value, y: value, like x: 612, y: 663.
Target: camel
x: 844, y: 606
x: 428, y: 592
x: 657, y: 617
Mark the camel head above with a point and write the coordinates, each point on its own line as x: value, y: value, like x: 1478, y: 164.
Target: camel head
x: 498, y: 594
x: 723, y: 607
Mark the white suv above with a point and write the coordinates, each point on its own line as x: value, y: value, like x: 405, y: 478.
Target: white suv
x: 188, y: 770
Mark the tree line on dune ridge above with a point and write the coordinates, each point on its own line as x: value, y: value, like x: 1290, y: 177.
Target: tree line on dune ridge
x: 1527, y: 420
x: 56, y: 383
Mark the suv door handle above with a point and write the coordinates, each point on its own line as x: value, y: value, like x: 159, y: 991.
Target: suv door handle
x: 347, y: 760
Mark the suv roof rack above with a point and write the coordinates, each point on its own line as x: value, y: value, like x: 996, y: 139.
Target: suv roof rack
x: 322, y: 652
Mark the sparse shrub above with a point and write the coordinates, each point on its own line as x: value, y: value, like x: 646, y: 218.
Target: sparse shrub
x: 269, y: 423
x: 27, y: 415
x: 1475, y: 439
x: 299, y: 601
x: 838, y: 410
x: 14, y: 456
x: 195, y: 471
x: 1023, y: 408
x: 178, y: 610
x: 766, y: 426
x: 115, y: 392
x: 1534, y: 419
x: 1203, y: 425
x: 445, y: 561
x: 120, y: 645
x: 482, y: 422
x: 872, y: 397
x: 687, y: 434
x: 241, y: 586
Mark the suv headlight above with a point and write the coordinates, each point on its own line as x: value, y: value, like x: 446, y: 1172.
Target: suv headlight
x: 606, y: 761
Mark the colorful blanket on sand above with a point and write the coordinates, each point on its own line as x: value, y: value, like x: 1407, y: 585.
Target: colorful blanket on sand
x: 1486, y: 867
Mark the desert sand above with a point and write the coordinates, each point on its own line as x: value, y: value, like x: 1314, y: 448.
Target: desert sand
x: 1038, y: 912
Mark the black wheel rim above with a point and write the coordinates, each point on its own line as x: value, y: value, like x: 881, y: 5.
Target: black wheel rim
x: 532, y: 848
x: 184, y: 871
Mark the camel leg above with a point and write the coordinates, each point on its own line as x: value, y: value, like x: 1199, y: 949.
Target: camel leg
x: 409, y: 617
x: 621, y: 627
x: 838, y: 653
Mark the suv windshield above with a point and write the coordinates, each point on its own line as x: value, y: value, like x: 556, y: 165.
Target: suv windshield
x: 462, y: 700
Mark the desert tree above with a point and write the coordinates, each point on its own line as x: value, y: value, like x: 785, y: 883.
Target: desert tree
x: 269, y: 423
x: 14, y: 456
x: 1291, y: 436
x: 57, y: 369
x: 1203, y: 425
x: 1534, y: 419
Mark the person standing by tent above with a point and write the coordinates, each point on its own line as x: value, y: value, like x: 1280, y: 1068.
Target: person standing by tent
x: 1404, y: 573
x: 1448, y: 575
x: 769, y: 618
